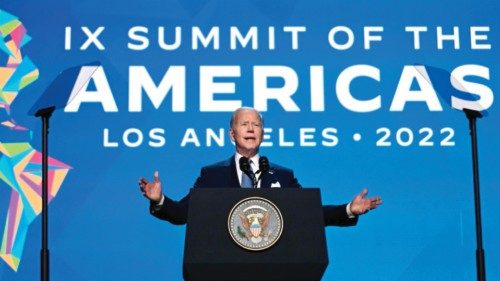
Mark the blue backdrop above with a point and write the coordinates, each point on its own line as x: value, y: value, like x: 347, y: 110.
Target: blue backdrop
x: 100, y: 227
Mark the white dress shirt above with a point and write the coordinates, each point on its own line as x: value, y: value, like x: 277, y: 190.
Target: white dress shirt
x: 254, y: 163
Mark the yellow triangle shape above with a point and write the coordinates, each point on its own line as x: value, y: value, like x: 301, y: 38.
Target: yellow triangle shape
x: 11, y: 260
x: 5, y: 73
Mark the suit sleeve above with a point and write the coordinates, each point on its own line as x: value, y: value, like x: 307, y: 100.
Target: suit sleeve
x: 336, y: 215
x: 293, y: 181
x: 172, y: 211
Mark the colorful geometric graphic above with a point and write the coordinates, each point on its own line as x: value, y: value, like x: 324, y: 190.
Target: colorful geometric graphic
x: 20, y: 164
x: 20, y: 168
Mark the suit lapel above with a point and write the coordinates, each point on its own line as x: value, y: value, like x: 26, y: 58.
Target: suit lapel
x: 265, y: 181
x: 268, y: 178
x: 233, y: 174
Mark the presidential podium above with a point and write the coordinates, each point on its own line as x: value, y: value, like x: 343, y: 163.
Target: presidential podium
x: 210, y: 253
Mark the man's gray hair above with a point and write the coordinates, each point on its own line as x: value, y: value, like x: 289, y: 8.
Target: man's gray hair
x: 231, y: 122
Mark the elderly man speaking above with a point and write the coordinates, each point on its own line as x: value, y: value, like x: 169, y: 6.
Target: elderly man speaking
x: 246, y: 130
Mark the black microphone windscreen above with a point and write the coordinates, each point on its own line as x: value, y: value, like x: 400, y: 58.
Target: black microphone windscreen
x: 263, y: 164
x: 244, y: 164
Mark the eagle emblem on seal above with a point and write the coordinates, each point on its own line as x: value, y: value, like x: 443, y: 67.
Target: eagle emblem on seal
x: 255, y: 223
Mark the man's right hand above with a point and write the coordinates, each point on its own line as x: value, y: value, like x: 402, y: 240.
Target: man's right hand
x: 151, y: 190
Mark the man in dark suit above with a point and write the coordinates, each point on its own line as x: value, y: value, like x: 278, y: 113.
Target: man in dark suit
x: 246, y: 130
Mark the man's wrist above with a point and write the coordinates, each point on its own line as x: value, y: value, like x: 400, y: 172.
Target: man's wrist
x: 157, y: 205
x: 350, y: 214
x: 162, y: 200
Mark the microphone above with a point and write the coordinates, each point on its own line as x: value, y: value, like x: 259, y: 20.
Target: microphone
x: 245, y: 168
x: 264, y: 166
x: 244, y: 165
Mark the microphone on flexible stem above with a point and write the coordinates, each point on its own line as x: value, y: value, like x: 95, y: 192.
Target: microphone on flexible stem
x: 263, y: 165
x: 245, y: 168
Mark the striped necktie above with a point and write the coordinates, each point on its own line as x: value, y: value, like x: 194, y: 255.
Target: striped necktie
x: 246, y: 181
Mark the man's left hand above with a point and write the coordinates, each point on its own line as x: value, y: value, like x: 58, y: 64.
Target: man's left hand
x: 361, y: 205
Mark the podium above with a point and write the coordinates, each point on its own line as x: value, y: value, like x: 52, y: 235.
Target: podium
x: 210, y: 253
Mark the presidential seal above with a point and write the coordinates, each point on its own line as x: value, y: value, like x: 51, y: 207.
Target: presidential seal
x: 255, y: 223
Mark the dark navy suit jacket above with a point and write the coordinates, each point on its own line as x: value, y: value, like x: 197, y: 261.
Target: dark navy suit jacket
x: 224, y: 174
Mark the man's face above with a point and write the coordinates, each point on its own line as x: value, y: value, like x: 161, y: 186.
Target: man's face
x: 246, y: 132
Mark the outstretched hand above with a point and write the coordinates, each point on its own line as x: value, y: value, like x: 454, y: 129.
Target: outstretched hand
x: 361, y: 205
x: 151, y: 190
